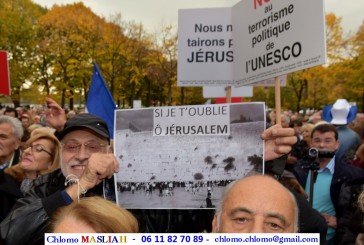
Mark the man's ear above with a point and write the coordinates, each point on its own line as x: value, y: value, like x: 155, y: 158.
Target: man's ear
x: 214, y: 224
x: 17, y: 144
x: 337, y: 145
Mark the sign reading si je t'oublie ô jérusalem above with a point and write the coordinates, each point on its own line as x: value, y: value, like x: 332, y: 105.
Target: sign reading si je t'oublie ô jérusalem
x: 253, y: 41
x: 192, y: 120
x: 174, y: 157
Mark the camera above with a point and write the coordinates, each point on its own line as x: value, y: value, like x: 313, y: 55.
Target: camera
x: 315, y: 153
x: 309, y: 160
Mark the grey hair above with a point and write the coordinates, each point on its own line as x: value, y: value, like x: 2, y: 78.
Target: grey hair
x: 226, y: 191
x: 15, y: 123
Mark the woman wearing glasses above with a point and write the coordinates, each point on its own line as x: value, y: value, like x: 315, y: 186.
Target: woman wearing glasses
x: 40, y: 155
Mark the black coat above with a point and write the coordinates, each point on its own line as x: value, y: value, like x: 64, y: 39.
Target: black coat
x: 31, y: 214
x: 343, y: 172
x: 16, y: 157
x: 200, y: 220
x: 194, y: 221
x: 9, y: 193
x: 351, y: 222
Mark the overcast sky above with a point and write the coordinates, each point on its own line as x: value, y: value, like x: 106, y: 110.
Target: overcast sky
x: 153, y: 13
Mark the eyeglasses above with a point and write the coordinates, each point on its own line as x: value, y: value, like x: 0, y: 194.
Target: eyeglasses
x: 36, y: 148
x: 90, y: 147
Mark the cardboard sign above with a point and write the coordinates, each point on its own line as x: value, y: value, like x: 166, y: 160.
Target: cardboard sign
x: 205, y: 48
x: 277, y: 37
x: 179, y: 169
x: 252, y: 41
x: 220, y: 91
x: 271, y: 82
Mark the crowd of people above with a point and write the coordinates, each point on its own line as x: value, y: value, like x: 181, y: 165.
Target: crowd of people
x: 56, y: 168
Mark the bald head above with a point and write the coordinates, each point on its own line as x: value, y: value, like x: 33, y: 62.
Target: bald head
x: 256, y: 204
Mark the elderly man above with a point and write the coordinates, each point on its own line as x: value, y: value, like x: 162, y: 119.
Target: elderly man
x: 256, y: 204
x: 86, y: 168
x: 278, y: 141
x: 11, y: 132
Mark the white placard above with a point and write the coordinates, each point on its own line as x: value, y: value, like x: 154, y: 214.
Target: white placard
x: 205, y: 55
x: 220, y: 91
x: 277, y: 37
x: 253, y: 41
x: 179, y: 171
x: 137, y: 104
x: 191, y: 120
x: 271, y: 82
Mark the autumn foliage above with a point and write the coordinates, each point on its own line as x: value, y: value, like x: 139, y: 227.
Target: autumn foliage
x: 52, y: 50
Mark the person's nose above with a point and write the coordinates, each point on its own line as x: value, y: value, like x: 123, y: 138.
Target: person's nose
x: 27, y: 150
x: 82, y: 153
x: 258, y: 226
x: 321, y: 144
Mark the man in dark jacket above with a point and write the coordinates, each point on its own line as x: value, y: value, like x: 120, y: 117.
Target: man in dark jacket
x: 85, y: 169
x: 86, y: 165
x: 331, y: 174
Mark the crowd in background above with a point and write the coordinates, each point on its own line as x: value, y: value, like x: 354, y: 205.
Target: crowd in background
x: 338, y: 128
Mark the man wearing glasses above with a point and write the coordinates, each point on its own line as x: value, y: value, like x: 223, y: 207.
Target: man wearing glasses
x: 331, y: 174
x: 86, y: 169
x: 86, y: 166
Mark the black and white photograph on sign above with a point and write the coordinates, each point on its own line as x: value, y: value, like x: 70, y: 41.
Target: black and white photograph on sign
x: 184, y: 170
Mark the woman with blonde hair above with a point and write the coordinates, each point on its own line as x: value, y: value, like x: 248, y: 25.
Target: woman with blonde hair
x: 300, y: 149
x: 93, y: 215
x: 40, y: 155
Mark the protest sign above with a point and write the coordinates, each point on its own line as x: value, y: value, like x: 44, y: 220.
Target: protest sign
x: 220, y: 91
x: 4, y: 74
x: 277, y: 37
x: 172, y: 157
x: 205, y: 49
x: 271, y: 82
x: 252, y: 41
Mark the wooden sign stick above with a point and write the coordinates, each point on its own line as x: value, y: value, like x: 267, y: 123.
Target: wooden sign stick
x: 228, y: 94
x: 277, y: 87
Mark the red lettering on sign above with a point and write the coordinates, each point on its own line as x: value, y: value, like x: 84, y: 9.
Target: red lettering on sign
x: 259, y: 2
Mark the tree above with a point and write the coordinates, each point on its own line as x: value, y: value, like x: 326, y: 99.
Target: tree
x: 334, y: 38
x: 17, y: 27
x: 112, y: 54
x: 72, y: 33
x: 166, y: 42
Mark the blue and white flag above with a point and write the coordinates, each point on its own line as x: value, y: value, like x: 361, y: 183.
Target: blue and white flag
x: 100, y: 101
